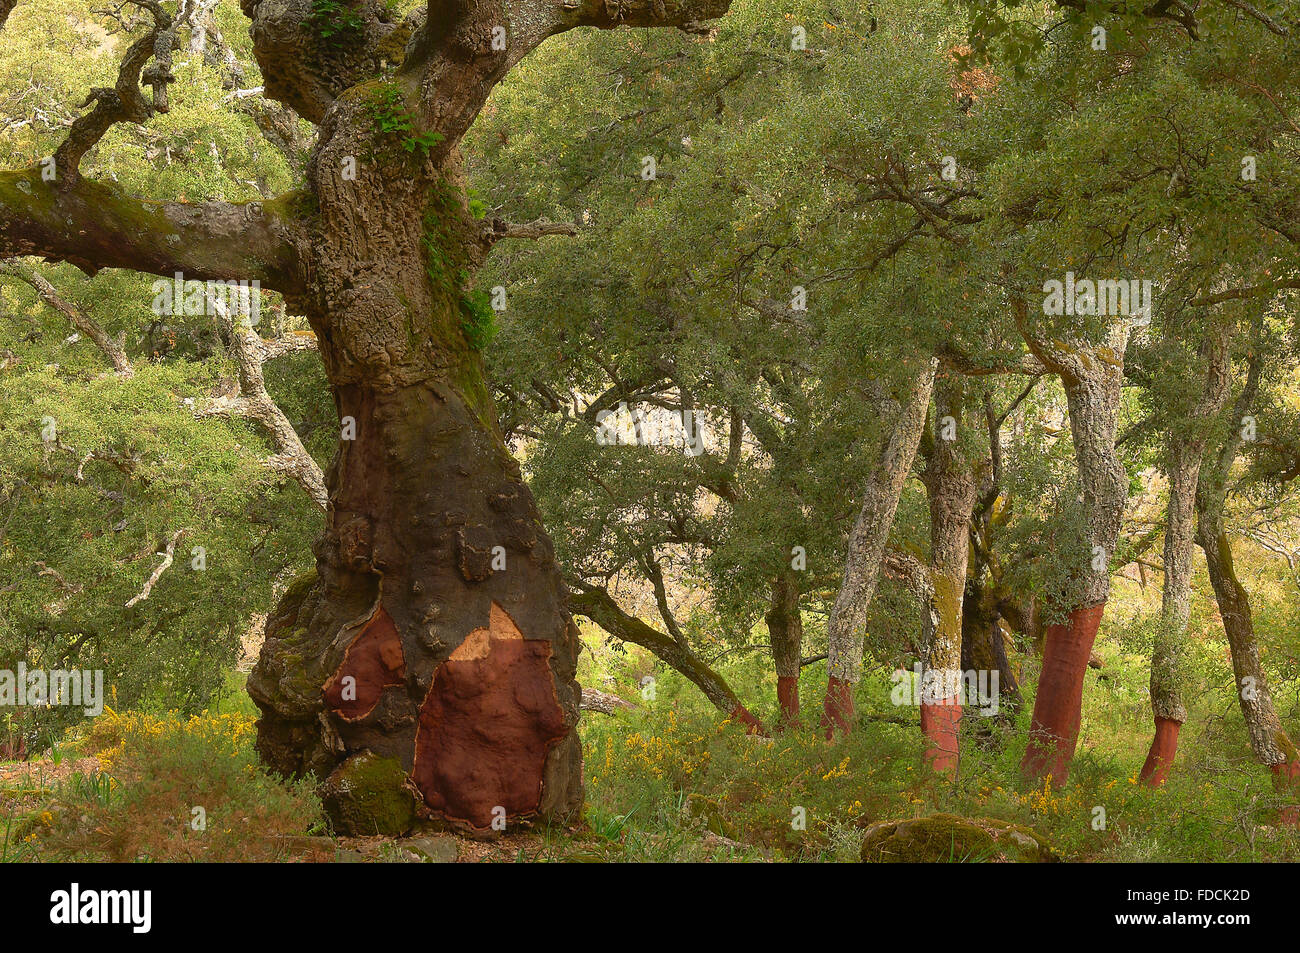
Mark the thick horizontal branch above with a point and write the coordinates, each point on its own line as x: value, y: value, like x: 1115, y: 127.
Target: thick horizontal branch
x: 95, y: 226
x: 456, y: 55
x: 538, y: 228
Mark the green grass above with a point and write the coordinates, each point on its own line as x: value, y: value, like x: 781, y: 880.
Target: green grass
x: 674, y: 781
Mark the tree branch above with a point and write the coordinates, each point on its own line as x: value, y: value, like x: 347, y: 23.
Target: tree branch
x: 456, y: 56
x: 80, y: 320
x: 95, y: 226
x: 538, y: 228
x: 254, y: 403
x: 167, y: 555
x: 124, y: 102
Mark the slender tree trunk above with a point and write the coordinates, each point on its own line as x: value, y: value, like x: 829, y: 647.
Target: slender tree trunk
x: 848, y: 622
x: 1184, y: 453
x: 952, y: 485
x: 1093, y: 378
x: 785, y: 629
x: 1268, y: 740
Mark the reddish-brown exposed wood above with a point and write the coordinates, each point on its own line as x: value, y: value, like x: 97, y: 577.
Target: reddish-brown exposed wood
x: 487, y: 725
x: 1054, y: 730
x: 941, y: 725
x: 1160, y: 758
x: 373, y: 662
x: 752, y: 725
x: 787, y: 697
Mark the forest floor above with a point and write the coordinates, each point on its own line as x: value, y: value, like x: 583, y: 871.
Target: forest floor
x: 671, y: 780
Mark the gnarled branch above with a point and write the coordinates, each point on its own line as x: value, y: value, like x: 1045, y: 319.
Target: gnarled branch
x: 125, y: 102
x: 254, y: 403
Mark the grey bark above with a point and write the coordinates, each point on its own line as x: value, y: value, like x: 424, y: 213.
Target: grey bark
x: 870, y: 533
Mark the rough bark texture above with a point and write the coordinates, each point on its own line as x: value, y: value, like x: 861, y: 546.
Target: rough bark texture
x: 1268, y: 740
x: 1184, y: 451
x: 1092, y: 377
x: 785, y: 630
x: 847, y: 627
x: 426, y: 500
x: 430, y: 524
x: 951, y: 484
x: 96, y: 226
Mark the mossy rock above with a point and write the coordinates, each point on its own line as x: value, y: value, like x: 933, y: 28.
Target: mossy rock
x: 947, y: 838
x: 367, y: 795
x: 710, y: 813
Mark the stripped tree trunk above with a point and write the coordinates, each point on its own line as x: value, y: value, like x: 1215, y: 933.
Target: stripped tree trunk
x: 1184, y: 452
x: 785, y: 630
x: 952, y: 485
x: 848, y: 622
x: 1092, y: 377
x: 1268, y: 740
x: 433, y: 651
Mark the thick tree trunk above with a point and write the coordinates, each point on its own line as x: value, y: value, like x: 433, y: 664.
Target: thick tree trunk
x: 848, y: 622
x: 433, y: 652
x: 436, y: 634
x: 785, y: 630
x: 1093, y: 378
x: 952, y: 486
